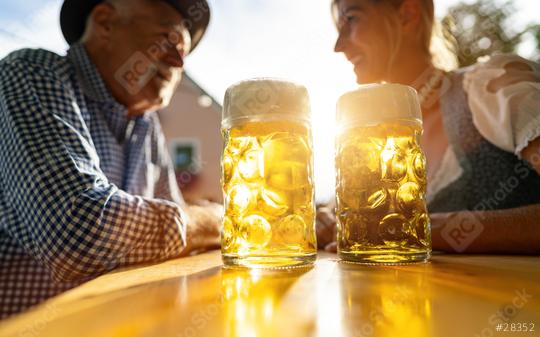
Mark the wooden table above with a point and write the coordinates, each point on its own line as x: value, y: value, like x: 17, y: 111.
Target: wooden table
x: 453, y: 295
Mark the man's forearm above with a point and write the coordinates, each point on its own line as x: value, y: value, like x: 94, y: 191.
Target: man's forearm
x: 113, y: 229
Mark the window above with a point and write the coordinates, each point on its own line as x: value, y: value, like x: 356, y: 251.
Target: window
x: 186, y: 155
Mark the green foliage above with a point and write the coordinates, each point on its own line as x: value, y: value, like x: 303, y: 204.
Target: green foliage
x: 483, y: 28
x: 535, y: 31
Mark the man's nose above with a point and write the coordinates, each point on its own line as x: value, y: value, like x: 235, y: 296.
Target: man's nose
x: 175, y: 57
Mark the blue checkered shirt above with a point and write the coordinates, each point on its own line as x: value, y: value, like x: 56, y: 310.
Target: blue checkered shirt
x: 83, y: 188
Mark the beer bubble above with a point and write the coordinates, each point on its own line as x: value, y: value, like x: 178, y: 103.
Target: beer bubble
x: 272, y: 202
x: 378, y: 201
x: 419, y: 166
x: 287, y: 161
x: 360, y: 164
x: 238, y: 145
x: 423, y: 232
x: 255, y: 231
x: 228, y: 233
x: 409, y: 198
x: 353, y: 227
x: 228, y: 169
x: 394, y: 162
x: 239, y: 200
x: 251, y: 165
x: 291, y: 229
x: 391, y: 230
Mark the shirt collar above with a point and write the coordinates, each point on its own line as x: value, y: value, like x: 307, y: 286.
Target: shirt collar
x: 94, y: 88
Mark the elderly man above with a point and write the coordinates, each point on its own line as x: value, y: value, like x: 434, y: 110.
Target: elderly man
x: 86, y: 183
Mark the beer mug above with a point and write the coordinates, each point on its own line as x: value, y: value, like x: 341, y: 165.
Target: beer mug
x: 381, y: 177
x: 267, y: 175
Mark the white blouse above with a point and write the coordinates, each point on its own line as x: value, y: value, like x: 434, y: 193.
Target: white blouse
x: 504, y: 98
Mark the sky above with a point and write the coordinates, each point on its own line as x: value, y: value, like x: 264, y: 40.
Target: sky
x: 290, y: 39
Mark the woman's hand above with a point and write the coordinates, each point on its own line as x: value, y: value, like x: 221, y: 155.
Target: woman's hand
x: 326, y: 229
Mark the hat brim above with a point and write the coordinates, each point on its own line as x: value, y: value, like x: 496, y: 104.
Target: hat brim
x: 74, y: 14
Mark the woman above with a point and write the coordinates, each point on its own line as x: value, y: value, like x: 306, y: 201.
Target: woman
x: 482, y: 127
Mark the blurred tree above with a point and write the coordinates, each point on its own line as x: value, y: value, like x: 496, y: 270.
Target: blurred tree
x: 535, y: 31
x: 481, y: 28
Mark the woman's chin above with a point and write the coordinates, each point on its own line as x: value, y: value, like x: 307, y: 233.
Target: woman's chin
x: 363, y: 77
x: 362, y: 80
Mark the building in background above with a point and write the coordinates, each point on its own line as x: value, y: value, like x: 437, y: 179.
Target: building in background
x: 192, y: 126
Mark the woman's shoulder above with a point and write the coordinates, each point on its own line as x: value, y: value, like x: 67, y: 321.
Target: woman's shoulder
x: 500, y: 61
x: 510, y: 66
x: 503, y: 94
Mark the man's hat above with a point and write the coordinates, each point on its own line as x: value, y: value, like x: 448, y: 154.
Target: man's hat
x: 74, y: 14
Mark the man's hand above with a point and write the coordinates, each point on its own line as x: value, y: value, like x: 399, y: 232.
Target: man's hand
x: 326, y: 229
x: 203, y: 228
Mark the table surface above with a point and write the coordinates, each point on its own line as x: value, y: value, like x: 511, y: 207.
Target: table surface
x: 453, y: 295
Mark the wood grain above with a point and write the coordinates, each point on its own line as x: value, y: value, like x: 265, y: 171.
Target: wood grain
x: 453, y: 295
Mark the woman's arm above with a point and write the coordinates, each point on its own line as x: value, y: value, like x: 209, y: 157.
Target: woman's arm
x: 509, y: 231
x: 532, y: 154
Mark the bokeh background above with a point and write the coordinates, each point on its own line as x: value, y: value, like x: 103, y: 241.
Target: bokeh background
x: 294, y: 39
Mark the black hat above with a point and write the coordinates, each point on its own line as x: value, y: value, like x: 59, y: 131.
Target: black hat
x: 75, y: 12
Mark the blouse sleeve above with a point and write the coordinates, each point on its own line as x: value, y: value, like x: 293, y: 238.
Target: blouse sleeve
x: 504, y: 97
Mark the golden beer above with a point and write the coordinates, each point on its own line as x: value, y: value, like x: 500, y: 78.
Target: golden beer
x: 267, y: 178
x: 381, y: 177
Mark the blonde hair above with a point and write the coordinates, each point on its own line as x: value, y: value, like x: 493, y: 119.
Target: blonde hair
x: 443, y: 48
x: 436, y: 41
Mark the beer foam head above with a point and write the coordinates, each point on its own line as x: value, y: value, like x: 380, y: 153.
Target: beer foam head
x: 379, y: 103
x: 265, y: 99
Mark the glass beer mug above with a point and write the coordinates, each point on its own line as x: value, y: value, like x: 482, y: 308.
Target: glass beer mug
x: 381, y: 177
x: 267, y: 176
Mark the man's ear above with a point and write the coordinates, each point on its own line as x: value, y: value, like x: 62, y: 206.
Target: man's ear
x: 102, y: 19
x: 410, y: 14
